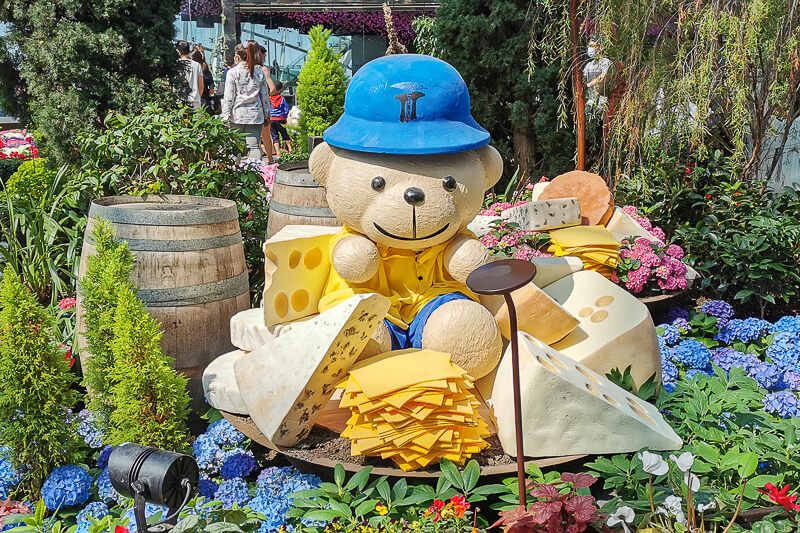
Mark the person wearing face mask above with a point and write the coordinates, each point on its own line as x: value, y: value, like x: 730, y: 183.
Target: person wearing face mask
x: 596, y: 73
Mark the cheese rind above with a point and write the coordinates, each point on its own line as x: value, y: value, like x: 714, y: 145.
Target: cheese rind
x: 482, y: 224
x: 615, y: 328
x: 296, y: 266
x: 551, y: 269
x: 286, y: 383
x: 219, y: 384
x: 568, y: 409
x: 545, y: 214
x: 537, y: 314
x: 249, y: 332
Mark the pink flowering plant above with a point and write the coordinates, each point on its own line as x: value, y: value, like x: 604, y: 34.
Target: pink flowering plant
x: 506, y: 239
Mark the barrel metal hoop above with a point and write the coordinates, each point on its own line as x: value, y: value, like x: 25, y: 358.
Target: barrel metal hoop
x: 197, y: 294
x: 149, y: 245
x: 296, y: 179
x: 224, y: 211
x: 300, y: 210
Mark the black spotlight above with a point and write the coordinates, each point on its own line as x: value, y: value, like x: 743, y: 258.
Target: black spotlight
x: 155, y: 476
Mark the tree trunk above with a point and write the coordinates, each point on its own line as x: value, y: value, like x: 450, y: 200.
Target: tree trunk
x: 577, y: 85
x: 229, y: 29
x: 524, y: 153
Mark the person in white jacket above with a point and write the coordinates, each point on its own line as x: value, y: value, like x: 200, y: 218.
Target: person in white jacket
x: 246, y: 101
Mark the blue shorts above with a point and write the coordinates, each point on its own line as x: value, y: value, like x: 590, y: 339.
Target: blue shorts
x: 412, y: 337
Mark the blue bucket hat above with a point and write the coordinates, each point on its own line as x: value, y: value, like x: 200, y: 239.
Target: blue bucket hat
x: 407, y: 104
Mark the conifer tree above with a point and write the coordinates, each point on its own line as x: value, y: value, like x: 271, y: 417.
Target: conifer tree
x: 35, y: 389
x: 321, y: 87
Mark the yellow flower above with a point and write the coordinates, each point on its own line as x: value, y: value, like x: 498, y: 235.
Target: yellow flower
x: 382, y: 509
x: 415, y: 525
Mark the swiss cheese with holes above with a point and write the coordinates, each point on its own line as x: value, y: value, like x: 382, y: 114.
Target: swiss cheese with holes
x: 615, y: 329
x: 286, y: 383
x: 296, y: 266
x: 568, y: 409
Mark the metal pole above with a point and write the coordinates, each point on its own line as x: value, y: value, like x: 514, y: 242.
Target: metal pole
x: 577, y: 86
x: 512, y: 318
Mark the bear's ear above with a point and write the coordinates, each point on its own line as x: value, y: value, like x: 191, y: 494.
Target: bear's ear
x: 320, y: 162
x: 492, y: 164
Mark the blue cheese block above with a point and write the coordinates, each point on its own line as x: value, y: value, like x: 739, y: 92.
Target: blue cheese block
x: 286, y: 383
x: 545, y: 214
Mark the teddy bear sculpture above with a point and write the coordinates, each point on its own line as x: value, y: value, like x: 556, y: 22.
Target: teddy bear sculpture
x: 405, y: 170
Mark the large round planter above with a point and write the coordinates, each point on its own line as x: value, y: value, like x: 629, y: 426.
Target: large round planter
x: 297, y: 199
x: 189, y: 267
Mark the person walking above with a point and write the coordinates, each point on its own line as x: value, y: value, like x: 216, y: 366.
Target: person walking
x: 246, y: 102
x: 208, y: 80
x: 194, y: 75
x: 266, y: 134
x: 278, y: 112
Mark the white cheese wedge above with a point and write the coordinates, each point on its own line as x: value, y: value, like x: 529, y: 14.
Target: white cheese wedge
x: 550, y: 269
x: 285, y: 384
x: 568, y: 409
x: 537, y: 315
x: 538, y: 188
x: 615, y: 328
x: 481, y: 225
x: 249, y: 332
x: 297, y: 264
x: 219, y: 384
x: 545, y: 214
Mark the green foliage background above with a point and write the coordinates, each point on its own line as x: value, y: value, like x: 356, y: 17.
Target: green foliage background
x: 64, y: 65
x: 321, y: 87
x: 30, y: 182
x: 487, y: 42
x: 35, y: 389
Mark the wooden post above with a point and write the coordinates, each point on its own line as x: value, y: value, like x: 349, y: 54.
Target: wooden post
x: 229, y: 29
x: 577, y: 86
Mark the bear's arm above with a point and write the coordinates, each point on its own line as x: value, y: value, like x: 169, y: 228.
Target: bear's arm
x: 463, y: 255
x: 356, y: 259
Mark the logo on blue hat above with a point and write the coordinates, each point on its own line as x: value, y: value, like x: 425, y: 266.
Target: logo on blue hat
x: 434, y: 115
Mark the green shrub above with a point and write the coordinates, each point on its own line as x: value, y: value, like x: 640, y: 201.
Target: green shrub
x: 31, y: 181
x: 176, y: 151
x: 35, y: 388
x: 149, y: 398
x: 321, y: 87
x: 7, y: 168
x: 107, y: 274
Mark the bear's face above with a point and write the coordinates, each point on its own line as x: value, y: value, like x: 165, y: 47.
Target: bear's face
x: 411, y: 202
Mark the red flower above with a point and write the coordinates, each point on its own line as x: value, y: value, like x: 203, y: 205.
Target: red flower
x: 460, y: 505
x: 120, y: 529
x: 708, y: 196
x: 434, y: 509
x: 780, y: 497
x: 544, y: 179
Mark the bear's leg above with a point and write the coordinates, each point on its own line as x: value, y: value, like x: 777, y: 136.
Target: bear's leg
x: 467, y: 330
x: 380, y: 342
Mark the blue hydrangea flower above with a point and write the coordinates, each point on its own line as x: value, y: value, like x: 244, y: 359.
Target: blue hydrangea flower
x: 83, y: 527
x: 66, y: 486
x: 224, y: 434
x: 9, y: 476
x: 673, y: 313
x: 96, y: 510
x: 727, y: 358
x: 683, y: 325
x: 693, y: 354
x: 784, y: 404
x: 233, y: 491
x: 693, y: 372
x: 767, y: 375
x: 744, y: 330
x: 717, y: 308
x: 105, y: 491
x: 671, y: 334
x: 667, y: 353
x: 207, y: 488
x: 785, y: 351
x: 669, y: 372
x: 149, y: 510
x: 272, y: 496
x: 102, y: 460
x: 789, y: 324
x: 237, y: 463
x: 87, y: 428
x: 207, y: 453
x: 791, y: 380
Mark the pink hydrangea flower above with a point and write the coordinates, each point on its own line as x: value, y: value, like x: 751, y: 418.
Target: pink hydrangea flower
x: 645, y: 223
x: 268, y: 173
x: 67, y: 303
x: 523, y: 252
x: 537, y: 253
x: 521, y: 202
x: 641, y: 241
x: 650, y: 259
x: 489, y: 240
x: 529, y: 186
x: 658, y: 233
x: 630, y: 210
x: 509, y: 240
x: 488, y: 213
x: 675, y: 251
x: 637, y: 279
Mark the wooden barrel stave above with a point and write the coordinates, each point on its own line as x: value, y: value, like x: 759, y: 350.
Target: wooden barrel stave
x: 297, y: 199
x: 192, y: 277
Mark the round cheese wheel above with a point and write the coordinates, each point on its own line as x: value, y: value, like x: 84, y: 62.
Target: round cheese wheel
x: 597, y: 202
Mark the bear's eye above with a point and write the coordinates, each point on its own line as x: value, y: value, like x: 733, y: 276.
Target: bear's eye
x: 378, y: 183
x: 449, y: 183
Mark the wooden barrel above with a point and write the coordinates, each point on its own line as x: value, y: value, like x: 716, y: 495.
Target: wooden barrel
x: 297, y: 199
x: 189, y: 267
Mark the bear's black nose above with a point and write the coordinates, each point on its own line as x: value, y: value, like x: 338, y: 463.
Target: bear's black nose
x: 414, y: 196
